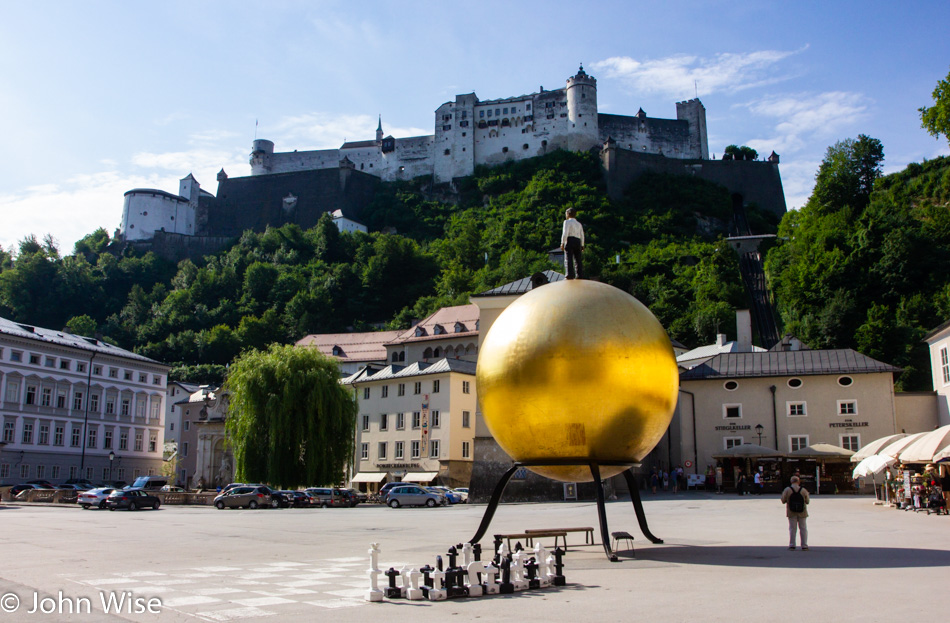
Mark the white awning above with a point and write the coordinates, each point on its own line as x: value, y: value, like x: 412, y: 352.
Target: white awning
x: 420, y: 476
x: 369, y: 477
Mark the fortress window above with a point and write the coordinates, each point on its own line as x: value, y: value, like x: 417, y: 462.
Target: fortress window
x: 506, y: 111
x: 525, y: 146
x: 464, y: 114
x: 527, y: 106
x: 497, y: 112
x: 504, y: 150
x: 563, y: 114
x: 464, y: 133
x: 145, y: 213
x: 481, y: 113
x: 489, y: 113
x: 447, y: 127
x: 544, y: 143
x: 447, y: 152
x: 583, y: 95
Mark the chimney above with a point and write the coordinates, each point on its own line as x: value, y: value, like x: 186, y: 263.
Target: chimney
x: 743, y: 331
x: 720, y: 339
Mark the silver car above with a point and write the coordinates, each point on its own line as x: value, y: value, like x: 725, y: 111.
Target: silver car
x: 94, y: 497
x: 413, y: 495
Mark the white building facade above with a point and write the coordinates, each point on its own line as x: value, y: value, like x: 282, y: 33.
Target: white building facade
x: 938, y: 342
x: 69, y: 401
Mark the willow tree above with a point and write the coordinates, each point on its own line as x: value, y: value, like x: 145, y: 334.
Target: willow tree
x: 290, y: 421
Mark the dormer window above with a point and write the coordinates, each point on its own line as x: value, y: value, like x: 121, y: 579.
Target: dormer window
x: 439, y: 330
x: 420, y: 332
x: 337, y: 351
x: 459, y: 327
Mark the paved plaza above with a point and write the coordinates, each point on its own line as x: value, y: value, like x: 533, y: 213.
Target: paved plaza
x: 725, y: 558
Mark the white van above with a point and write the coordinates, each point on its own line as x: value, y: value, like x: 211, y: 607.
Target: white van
x: 149, y: 483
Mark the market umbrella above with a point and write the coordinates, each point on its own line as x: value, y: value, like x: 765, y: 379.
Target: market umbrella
x: 873, y: 447
x: 894, y: 449
x: 821, y: 451
x: 924, y: 449
x: 872, y: 465
x: 748, y: 450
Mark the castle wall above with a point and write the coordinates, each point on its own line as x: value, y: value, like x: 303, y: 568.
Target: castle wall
x: 756, y: 182
x: 147, y: 211
x: 411, y: 158
x: 288, y: 162
x: 667, y: 137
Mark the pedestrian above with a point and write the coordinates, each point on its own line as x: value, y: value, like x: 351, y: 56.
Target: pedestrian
x: 718, y: 480
x: 666, y: 480
x: 758, y: 483
x: 740, y: 482
x: 675, y: 477
x: 572, y: 243
x: 795, y: 498
x: 654, y: 480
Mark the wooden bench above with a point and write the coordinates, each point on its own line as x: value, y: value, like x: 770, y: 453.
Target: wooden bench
x: 588, y: 533
x: 528, y: 537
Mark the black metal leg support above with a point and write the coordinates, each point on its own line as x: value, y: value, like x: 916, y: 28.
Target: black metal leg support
x: 493, y: 503
x: 602, y: 513
x: 638, y: 506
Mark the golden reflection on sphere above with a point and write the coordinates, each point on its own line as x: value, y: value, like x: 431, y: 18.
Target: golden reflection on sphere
x: 577, y: 369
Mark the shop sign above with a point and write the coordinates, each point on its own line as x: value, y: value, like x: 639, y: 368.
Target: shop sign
x: 847, y: 424
x: 734, y: 427
x: 397, y: 465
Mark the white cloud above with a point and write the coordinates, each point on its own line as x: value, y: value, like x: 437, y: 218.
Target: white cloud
x: 682, y: 75
x: 324, y: 131
x: 804, y: 117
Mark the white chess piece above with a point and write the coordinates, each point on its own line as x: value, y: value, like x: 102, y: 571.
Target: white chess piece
x: 404, y: 581
x: 517, y: 571
x: 437, y: 592
x: 474, y: 587
x: 466, y: 555
x: 541, y: 555
x: 374, y: 593
x: 414, y: 593
x: 550, y: 569
x: 503, y: 551
x: 491, y: 587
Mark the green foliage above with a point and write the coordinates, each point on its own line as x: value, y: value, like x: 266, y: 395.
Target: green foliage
x: 201, y: 374
x: 81, y: 325
x: 850, y: 271
x: 741, y: 153
x: 290, y: 421
x: 936, y: 119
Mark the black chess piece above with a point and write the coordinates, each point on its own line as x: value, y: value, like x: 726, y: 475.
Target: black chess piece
x: 531, y: 567
x: 426, y: 580
x: 518, y: 546
x: 438, y: 563
x: 559, y: 579
x: 506, y: 587
x: 496, y: 557
x: 393, y: 591
x: 477, y: 551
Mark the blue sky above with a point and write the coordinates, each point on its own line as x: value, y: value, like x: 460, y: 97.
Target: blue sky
x: 97, y: 98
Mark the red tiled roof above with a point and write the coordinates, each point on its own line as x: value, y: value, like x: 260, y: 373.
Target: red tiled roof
x: 369, y: 346
x: 446, y: 318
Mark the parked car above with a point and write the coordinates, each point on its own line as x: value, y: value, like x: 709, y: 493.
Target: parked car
x: 386, y: 488
x: 285, y: 498
x: 82, y: 482
x: 172, y: 489
x: 462, y: 491
x: 246, y: 497
x: 132, y: 499
x: 360, y: 496
x: 329, y: 496
x: 150, y: 483
x: 244, y: 484
x: 300, y: 499
x: 413, y: 495
x: 450, y: 496
x: 94, y: 497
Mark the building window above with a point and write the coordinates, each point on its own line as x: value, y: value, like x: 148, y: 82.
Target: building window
x: 365, y: 393
x: 847, y: 407
x: 383, y: 421
x: 110, y: 405
x: 127, y: 375
x: 124, y: 443
x: 731, y: 442
x: 16, y: 355
x: 398, y: 452
x: 364, y: 451
x: 730, y: 386
x: 466, y: 387
x: 27, y: 432
x: 465, y: 450
x: 105, y: 474
x: 24, y: 471
x: 435, y: 386
x: 125, y: 406
x: 365, y: 425
x: 34, y: 360
x: 435, y: 419
x: 400, y: 421
x: 156, y: 380
x: 731, y: 412
x: 385, y: 391
x: 97, y: 370
x: 77, y: 401
x: 416, y: 419
x: 381, y: 450
x: 120, y: 473
x: 140, y: 409
x: 80, y: 367
x: 794, y: 383
x: 184, y: 448
x: 113, y: 373
x: 143, y: 378
x: 138, y: 442
x: 434, y: 448
x: 94, y: 402
x: 152, y: 442
x: 89, y: 473
x: 850, y: 442
x: 46, y: 397
x: 401, y: 389
x: 91, y: 438
x: 945, y: 365
x: 44, y: 435
x: 466, y: 419
x: 30, y: 395
x: 64, y: 364
x: 59, y: 435
x: 56, y: 472
x: 61, y: 399
x: 797, y: 442
x: 795, y: 409
x: 4, y: 470
x: 155, y: 410
x: 187, y: 425
x: 13, y: 392
x: 414, y: 448
x: 107, y: 440
x: 9, y: 430
x: 41, y: 472
x: 845, y: 381
x: 50, y: 362
x: 75, y: 437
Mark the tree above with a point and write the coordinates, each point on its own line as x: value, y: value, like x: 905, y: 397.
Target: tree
x: 290, y: 422
x: 936, y: 119
x: 81, y: 325
x: 847, y: 174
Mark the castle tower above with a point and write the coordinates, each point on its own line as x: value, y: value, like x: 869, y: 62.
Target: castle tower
x: 694, y: 112
x: 582, y: 111
x: 379, y: 130
x: 261, y: 153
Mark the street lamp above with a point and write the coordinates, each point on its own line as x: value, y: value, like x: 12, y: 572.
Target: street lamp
x: 758, y: 431
x: 111, y: 458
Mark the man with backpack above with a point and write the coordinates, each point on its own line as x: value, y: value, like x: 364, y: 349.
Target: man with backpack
x: 795, y: 498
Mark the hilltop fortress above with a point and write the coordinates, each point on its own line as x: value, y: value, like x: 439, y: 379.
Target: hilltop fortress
x: 300, y: 186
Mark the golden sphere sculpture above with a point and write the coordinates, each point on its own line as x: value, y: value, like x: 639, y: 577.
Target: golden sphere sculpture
x: 577, y: 370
